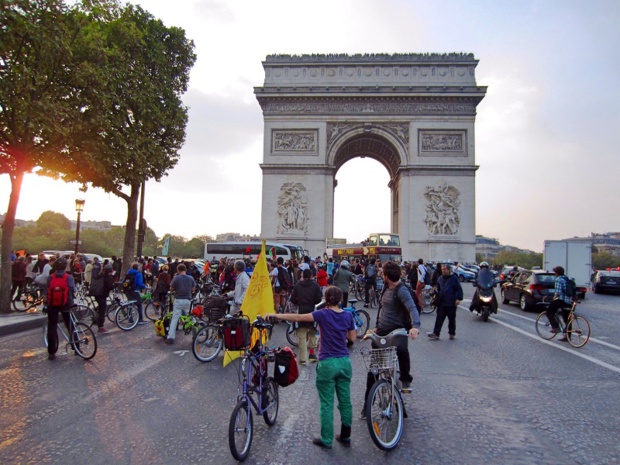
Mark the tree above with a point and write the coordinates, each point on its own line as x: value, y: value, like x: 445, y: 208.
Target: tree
x: 39, y: 111
x: 50, y: 221
x: 144, y: 67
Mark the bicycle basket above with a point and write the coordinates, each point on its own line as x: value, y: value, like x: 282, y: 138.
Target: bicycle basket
x: 379, y: 359
x: 215, y: 307
x: 237, y: 333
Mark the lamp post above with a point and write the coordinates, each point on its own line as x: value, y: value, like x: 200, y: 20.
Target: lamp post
x: 79, y: 208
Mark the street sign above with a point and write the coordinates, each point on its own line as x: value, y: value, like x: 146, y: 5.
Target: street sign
x: 73, y: 242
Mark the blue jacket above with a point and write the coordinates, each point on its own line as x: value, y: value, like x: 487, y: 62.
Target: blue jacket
x: 450, y: 290
x: 138, y: 282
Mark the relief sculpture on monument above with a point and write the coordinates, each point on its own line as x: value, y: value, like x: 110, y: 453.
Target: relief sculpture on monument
x: 292, y: 208
x: 442, y: 210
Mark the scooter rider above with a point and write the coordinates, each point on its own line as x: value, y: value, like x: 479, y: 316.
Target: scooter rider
x: 485, y: 276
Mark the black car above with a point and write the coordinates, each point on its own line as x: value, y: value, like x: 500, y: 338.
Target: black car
x: 530, y: 289
x: 606, y: 281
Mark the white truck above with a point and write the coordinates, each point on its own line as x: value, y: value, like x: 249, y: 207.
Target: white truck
x: 576, y: 259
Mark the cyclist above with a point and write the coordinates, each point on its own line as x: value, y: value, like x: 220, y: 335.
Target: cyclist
x: 241, y: 286
x: 183, y: 286
x: 342, y: 278
x: 370, y: 273
x: 306, y: 294
x: 53, y: 311
x: 560, y: 301
x: 333, y: 371
x: 484, y: 277
x: 398, y: 309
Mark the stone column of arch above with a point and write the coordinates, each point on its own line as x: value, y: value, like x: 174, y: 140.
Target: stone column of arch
x: 414, y: 113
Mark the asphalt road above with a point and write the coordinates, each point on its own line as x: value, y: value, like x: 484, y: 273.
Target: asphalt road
x: 497, y: 394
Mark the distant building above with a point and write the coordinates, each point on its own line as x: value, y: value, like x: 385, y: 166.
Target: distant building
x: 235, y: 237
x: 489, y: 247
x: 605, y: 242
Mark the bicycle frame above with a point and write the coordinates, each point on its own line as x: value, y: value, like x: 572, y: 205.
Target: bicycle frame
x: 251, y: 362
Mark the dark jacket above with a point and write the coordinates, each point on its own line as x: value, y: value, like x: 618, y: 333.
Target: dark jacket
x: 306, y: 294
x: 450, y: 290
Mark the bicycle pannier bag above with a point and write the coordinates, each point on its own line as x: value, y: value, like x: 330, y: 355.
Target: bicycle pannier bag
x: 236, y: 333
x: 215, y: 307
x: 285, y: 371
x: 129, y: 283
x: 58, y: 292
x: 162, y: 325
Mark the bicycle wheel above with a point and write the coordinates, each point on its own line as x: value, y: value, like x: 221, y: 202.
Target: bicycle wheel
x: 578, y: 332
x: 362, y: 322
x: 271, y: 401
x: 110, y: 312
x: 384, y: 415
x: 207, y: 344
x: 84, y: 341
x: 25, y: 301
x: 127, y: 317
x: 360, y: 290
x: 543, y: 327
x: 151, y: 311
x: 240, y: 430
x: 291, y: 335
x: 84, y: 314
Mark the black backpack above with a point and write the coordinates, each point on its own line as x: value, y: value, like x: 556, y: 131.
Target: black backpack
x: 129, y: 283
x: 284, y: 278
x: 371, y: 271
x: 570, y: 287
x: 427, y: 276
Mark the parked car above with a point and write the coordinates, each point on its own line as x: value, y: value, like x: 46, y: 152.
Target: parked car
x: 606, y: 281
x: 464, y: 274
x: 530, y: 289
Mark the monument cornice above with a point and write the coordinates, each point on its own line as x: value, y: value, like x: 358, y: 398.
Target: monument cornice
x: 269, y: 168
x: 371, y: 105
x: 438, y: 170
x: 370, y: 58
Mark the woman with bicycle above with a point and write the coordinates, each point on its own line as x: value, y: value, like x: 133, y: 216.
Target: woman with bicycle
x: 333, y: 372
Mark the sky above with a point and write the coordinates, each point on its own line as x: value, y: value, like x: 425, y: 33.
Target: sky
x: 549, y: 166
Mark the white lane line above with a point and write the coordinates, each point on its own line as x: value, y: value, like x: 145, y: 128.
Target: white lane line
x: 592, y: 339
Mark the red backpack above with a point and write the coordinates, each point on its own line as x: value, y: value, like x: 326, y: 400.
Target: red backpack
x: 58, y: 292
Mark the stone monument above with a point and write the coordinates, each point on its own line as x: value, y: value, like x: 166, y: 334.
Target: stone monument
x: 413, y: 113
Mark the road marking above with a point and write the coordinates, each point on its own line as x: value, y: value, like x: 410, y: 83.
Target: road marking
x: 180, y: 353
x: 592, y: 339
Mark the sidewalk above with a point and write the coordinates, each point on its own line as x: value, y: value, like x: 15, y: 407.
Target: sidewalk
x: 16, y: 322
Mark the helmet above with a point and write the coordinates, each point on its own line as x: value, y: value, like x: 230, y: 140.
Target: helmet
x: 484, y: 264
x: 344, y: 264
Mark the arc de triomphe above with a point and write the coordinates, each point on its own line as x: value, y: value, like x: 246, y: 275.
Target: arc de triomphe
x: 414, y: 113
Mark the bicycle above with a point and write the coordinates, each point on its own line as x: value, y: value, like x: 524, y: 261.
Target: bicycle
x: 427, y: 300
x: 83, y: 340
x: 28, y: 297
x: 126, y: 315
x: 258, y: 390
x: 576, y: 329
x: 385, y: 408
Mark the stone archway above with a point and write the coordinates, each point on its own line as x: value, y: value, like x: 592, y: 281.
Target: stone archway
x: 413, y: 113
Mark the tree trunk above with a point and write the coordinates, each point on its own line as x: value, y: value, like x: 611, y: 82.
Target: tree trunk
x: 8, y: 227
x: 129, y: 246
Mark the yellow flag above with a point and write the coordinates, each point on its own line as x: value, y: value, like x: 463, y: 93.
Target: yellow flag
x: 258, y: 300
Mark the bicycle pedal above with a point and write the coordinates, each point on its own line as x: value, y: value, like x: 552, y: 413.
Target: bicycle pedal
x: 406, y: 390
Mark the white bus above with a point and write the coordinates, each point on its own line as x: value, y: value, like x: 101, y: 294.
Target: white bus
x: 251, y: 250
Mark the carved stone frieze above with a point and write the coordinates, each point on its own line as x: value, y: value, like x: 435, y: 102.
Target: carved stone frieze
x: 442, y: 210
x: 292, y: 208
x: 294, y: 141
x: 367, y: 107
x: 398, y: 130
x: 442, y: 142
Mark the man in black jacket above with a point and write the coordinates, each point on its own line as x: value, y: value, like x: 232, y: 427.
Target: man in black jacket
x: 306, y: 294
x: 450, y: 296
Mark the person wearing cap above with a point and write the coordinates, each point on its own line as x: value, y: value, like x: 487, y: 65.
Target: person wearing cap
x: 342, y: 278
x: 100, y: 287
x: 241, y: 286
x: 59, y: 270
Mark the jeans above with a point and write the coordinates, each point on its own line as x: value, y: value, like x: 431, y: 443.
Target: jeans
x: 334, y: 374
x: 444, y: 311
x: 554, y: 306
x: 180, y: 306
x: 52, y: 325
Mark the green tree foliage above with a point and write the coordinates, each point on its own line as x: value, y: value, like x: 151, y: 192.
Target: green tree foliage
x: 526, y: 260
x: 604, y: 260
x: 50, y: 221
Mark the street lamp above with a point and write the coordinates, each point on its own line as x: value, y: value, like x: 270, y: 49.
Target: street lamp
x: 79, y: 208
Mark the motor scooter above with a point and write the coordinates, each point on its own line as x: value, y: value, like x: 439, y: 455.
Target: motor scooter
x: 487, y: 302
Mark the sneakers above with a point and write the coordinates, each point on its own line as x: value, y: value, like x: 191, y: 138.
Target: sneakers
x: 346, y: 442
x: 365, y: 305
x: 51, y: 357
x: 433, y: 337
x: 102, y: 330
x: 320, y: 443
x: 452, y: 337
x: 405, y: 384
x: 312, y: 358
x: 169, y: 341
x: 555, y: 330
x: 302, y: 362
x: 363, y: 414
x: 563, y: 339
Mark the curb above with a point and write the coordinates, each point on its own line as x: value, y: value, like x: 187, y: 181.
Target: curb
x: 24, y: 325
